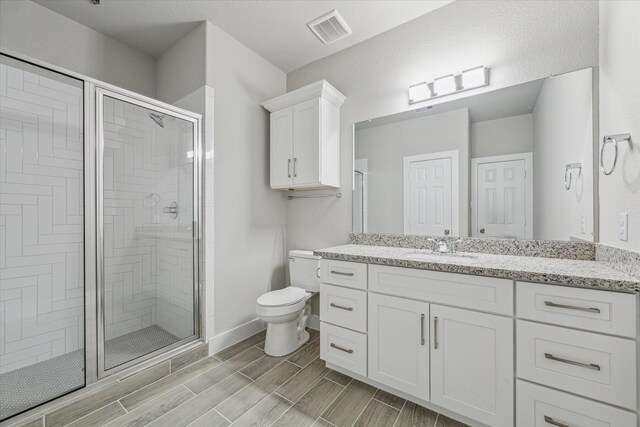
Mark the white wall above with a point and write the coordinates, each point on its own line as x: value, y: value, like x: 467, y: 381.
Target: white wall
x: 520, y: 41
x: 247, y: 256
x: 385, y: 147
x: 499, y: 137
x: 182, y: 69
x: 34, y: 30
x: 249, y: 216
x: 563, y: 133
x: 620, y: 113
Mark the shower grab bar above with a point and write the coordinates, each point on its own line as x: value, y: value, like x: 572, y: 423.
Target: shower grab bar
x: 612, y: 139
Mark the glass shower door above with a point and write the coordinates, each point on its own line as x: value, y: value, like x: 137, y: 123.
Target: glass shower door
x: 147, y: 213
x: 42, y: 286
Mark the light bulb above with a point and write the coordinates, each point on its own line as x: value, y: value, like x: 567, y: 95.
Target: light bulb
x: 444, y: 85
x: 474, y: 77
x: 418, y: 92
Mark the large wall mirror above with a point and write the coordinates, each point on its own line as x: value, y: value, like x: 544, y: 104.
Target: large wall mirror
x: 511, y: 163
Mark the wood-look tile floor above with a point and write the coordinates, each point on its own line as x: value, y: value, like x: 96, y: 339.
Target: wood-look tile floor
x: 243, y: 386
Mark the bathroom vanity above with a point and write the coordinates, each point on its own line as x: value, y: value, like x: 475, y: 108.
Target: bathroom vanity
x: 489, y: 339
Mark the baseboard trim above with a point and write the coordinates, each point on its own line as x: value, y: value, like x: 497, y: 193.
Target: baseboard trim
x: 314, y: 322
x: 235, y: 335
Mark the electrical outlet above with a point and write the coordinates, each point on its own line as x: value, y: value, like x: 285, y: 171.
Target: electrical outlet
x: 623, y: 226
x: 583, y: 224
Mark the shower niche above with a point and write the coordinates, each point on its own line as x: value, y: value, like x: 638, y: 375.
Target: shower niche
x: 99, y: 238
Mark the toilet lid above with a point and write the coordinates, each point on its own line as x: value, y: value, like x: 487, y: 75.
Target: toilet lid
x: 282, y: 297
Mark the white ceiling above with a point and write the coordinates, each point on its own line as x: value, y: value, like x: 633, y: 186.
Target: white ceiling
x: 275, y: 29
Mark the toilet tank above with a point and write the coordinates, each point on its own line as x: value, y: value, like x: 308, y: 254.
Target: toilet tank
x: 304, y: 269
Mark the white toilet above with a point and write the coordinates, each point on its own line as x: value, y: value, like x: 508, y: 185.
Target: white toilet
x: 287, y: 310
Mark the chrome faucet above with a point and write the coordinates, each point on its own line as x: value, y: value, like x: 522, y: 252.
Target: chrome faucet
x: 441, y: 245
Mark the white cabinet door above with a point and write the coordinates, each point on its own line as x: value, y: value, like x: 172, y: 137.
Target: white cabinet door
x: 544, y: 407
x: 306, y: 146
x: 472, y: 364
x: 399, y: 344
x: 282, y: 148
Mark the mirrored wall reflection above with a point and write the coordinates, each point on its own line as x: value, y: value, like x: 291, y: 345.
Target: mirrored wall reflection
x: 512, y: 163
x: 42, y: 284
x: 148, y: 213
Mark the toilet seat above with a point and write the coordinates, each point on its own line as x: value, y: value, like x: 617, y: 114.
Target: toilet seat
x: 282, y: 297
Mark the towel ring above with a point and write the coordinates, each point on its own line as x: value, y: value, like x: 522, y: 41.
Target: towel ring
x: 569, y: 171
x: 612, y: 139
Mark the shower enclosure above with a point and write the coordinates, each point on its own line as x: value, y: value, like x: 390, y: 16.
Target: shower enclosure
x: 99, y: 232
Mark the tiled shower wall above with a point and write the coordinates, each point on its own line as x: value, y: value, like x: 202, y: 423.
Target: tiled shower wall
x: 175, y: 240
x: 41, y: 217
x: 130, y: 250
x: 148, y: 254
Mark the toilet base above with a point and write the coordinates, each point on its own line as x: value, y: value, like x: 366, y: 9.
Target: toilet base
x: 285, y: 338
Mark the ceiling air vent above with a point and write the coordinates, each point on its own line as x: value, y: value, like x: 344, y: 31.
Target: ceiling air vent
x: 330, y: 27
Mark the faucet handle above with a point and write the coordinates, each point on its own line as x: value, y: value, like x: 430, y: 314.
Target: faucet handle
x: 453, y: 245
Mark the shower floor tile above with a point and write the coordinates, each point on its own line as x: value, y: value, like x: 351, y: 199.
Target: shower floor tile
x: 130, y: 346
x: 33, y: 385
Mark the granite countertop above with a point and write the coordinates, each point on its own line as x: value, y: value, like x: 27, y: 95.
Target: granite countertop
x: 591, y: 274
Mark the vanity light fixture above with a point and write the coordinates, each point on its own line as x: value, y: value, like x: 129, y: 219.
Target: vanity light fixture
x: 446, y: 85
x: 419, y: 92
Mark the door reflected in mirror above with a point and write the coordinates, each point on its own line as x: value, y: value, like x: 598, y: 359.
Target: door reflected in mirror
x: 511, y: 163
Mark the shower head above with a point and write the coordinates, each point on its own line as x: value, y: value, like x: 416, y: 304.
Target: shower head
x: 158, y: 118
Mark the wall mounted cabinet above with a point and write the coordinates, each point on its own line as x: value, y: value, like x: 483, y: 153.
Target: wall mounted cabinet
x: 305, y: 138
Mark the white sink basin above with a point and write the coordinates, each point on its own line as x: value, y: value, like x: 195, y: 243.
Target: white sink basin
x: 441, y: 257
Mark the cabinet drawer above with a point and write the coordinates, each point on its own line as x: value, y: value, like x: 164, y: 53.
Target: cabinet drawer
x: 588, y: 364
x: 343, y: 307
x: 343, y: 273
x: 538, y: 406
x: 598, y: 311
x: 480, y: 293
x: 344, y: 348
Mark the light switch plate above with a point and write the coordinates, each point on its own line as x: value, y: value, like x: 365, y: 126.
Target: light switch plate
x: 623, y: 226
x: 583, y: 224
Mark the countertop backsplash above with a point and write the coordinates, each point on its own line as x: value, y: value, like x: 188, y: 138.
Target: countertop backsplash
x: 622, y: 260
x: 573, y: 250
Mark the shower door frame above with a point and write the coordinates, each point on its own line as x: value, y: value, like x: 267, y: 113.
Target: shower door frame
x: 93, y: 379
x: 98, y: 92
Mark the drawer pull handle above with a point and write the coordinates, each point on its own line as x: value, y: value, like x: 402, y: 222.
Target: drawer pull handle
x: 435, y: 332
x: 572, y: 362
x: 549, y: 420
x: 572, y: 307
x: 346, y: 350
x: 341, y: 273
x: 422, y: 329
x: 341, y: 307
